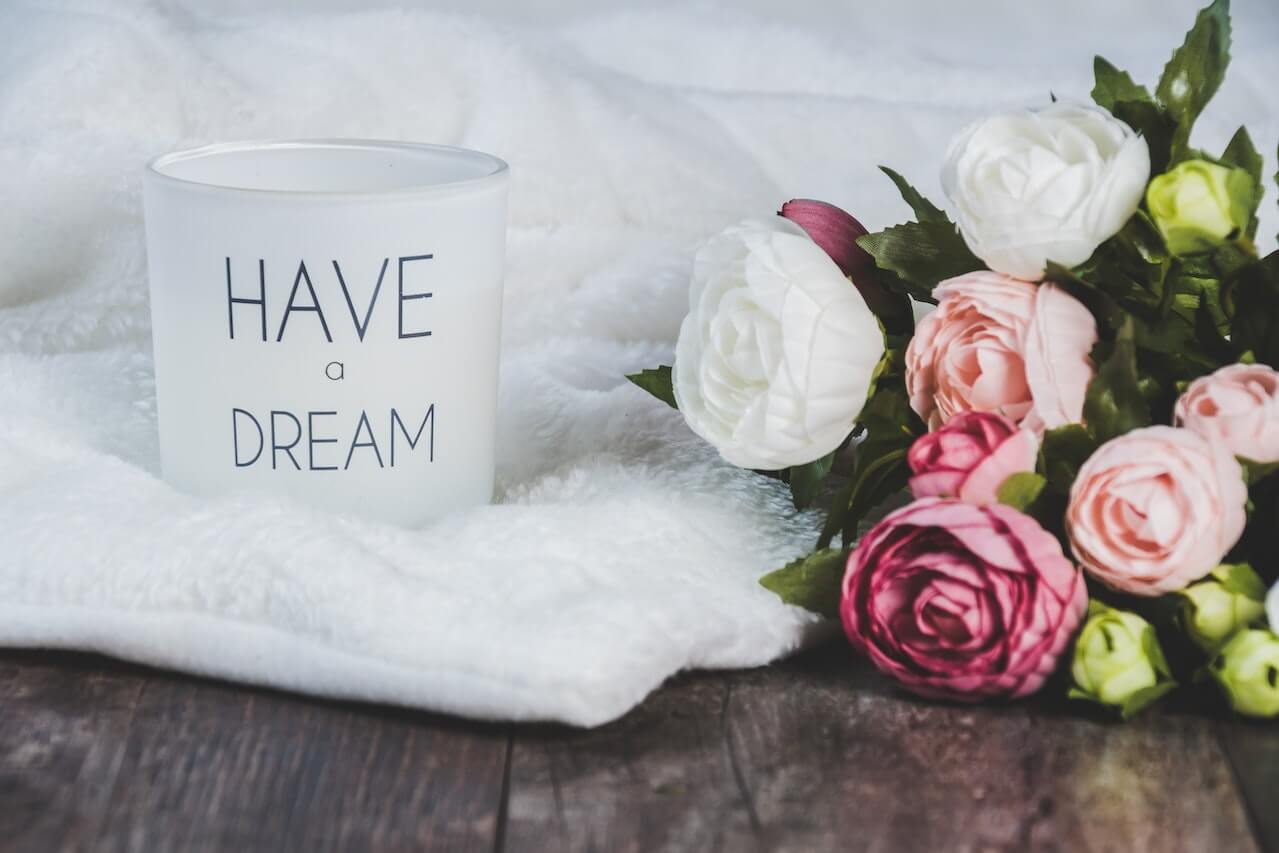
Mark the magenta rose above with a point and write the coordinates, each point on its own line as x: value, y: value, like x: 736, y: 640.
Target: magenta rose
x: 962, y: 602
x: 969, y: 458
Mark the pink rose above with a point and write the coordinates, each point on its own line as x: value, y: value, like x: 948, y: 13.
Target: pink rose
x: 1237, y: 407
x: 999, y: 344
x: 969, y: 457
x: 1156, y: 509
x: 962, y: 602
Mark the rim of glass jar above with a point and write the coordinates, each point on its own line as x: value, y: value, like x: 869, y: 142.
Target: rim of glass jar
x: 496, y: 169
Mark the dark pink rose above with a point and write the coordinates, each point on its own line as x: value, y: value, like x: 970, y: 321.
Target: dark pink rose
x: 969, y: 457
x: 834, y: 229
x: 836, y: 232
x: 962, y: 602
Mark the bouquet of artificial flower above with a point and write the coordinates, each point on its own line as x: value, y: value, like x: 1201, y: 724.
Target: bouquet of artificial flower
x: 1087, y: 421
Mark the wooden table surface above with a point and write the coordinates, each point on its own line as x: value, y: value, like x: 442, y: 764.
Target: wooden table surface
x: 814, y: 754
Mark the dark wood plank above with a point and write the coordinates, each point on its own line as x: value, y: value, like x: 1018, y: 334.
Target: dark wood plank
x: 815, y: 754
x: 171, y: 763
x: 822, y: 754
x: 661, y: 778
x: 63, y: 723
x: 835, y: 758
x: 1253, y: 747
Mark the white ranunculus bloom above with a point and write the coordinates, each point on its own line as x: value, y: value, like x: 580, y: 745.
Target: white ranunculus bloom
x: 775, y: 358
x: 1034, y: 186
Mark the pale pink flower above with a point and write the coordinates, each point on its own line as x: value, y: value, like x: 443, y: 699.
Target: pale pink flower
x: 999, y: 344
x: 1238, y: 407
x: 1156, y: 509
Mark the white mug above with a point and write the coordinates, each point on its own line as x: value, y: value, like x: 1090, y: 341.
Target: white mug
x: 326, y: 318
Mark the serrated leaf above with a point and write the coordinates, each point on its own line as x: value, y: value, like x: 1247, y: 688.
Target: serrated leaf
x: 1113, y: 403
x: 922, y: 253
x: 656, y: 381
x: 1241, y: 153
x: 1195, y: 71
x: 1114, y: 86
x: 811, y: 582
x: 1020, y: 490
x: 804, y: 480
x: 925, y: 210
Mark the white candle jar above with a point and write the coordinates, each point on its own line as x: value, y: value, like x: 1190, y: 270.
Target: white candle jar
x: 326, y: 319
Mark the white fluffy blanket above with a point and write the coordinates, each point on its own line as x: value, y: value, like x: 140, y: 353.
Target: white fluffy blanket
x: 620, y: 550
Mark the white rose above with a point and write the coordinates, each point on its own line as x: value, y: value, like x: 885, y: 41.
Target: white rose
x: 775, y: 358
x: 1034, y: 186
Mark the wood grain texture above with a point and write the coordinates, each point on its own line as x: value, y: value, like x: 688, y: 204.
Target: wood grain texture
x: 815, y: 754
x: 169, y: 763
x: 662, y: 778
x: 1253, y: 747
x: 837, y: 759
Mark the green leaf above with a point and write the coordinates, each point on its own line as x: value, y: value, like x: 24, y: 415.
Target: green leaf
x: 1063, y: 451
x: 1195, y: 71
x: 1099, y: 302
x: 1241, y: 579
x: 1143, y: 699
x: 1155, y: 652
x: 1020, y: 490
x: 656, y: 381
x: 1208, y: 337
x: 921, y: 253
x: 1155, y: 125
x: 925, y: 210
x: 890, y: 426
x: 1241, y: 153
x: 811, y: 582
x: 1114, y: 404
x: 1255, y: 472
x: 1114, y: 86
x: 804, y: 480
x: 1256, y: 317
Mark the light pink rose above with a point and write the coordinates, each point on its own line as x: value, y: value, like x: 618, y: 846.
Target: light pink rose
x: 969, y: 457
x: 962, y: 602
x: 1156, y: 509
x: 1237, y: 407
x: 999, y: 344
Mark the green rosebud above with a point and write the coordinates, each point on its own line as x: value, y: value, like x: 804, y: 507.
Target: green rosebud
x: 1227, y: 601
x: 1198, y: 205
x: 1248, y: 671
x: 1118, y: 661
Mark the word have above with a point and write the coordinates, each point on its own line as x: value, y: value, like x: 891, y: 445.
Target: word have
x: 288, y: 435
x: 308, y: 301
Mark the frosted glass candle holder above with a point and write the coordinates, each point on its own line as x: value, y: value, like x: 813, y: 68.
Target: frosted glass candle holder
x: 326, y: 318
